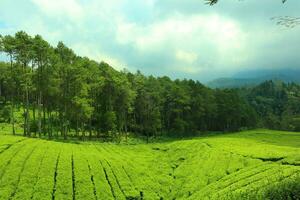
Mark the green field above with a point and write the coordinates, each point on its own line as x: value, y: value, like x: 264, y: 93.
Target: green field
x: 245, y: 165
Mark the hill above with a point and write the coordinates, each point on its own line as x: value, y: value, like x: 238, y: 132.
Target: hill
x: 255, y: 77
x: 232, y: 83
x: 258, y: 164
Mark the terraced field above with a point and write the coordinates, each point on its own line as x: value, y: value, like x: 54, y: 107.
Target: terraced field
x: 241, y: 165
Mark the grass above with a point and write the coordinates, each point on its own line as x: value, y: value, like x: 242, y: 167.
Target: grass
x: 258, y: 164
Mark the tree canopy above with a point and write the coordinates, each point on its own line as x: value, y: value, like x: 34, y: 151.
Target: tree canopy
x: 51, y: 91
x: 212, y: 2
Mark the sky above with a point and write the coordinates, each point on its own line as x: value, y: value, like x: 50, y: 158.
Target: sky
x: 176, y: 38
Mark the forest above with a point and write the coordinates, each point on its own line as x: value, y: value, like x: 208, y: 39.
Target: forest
x: 50, y: 91
x: 149, y: 100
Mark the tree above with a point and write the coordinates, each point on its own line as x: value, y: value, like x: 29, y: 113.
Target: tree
x: 287, y: 21
x: 23, y: 55
x: 212, y: 2
x: 66, y: 59
x: 81, y: 101
x: 71, y: 93
x: 7, y: 45
x: 41, y: 50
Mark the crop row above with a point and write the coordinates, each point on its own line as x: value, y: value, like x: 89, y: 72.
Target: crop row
x: 38, y: 169
x: 13, y: 169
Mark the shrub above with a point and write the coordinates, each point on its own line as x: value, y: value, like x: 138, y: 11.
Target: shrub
x: 288, y: 189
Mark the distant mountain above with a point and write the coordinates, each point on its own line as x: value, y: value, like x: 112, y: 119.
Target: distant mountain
x: 253, y: 78
x: 231, y: 83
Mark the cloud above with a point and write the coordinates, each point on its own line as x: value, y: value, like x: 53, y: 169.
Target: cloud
x: 181, y: 39
x: 188, y: 38
x: 184, y: 56
x: 88, y: 50
x: 70, y: 8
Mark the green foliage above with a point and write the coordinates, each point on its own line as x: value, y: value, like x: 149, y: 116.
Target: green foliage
x: 287, y: 189
x: 258, y: 164
x: 5, y: 113
x: 276, y: 103
x: 109, y: 121
x: 56, y: 92
x: 59, y: 92
x: 212, y: 2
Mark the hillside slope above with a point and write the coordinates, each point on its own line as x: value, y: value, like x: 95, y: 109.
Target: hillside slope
x: 219, y: 167
x: 254, y: 78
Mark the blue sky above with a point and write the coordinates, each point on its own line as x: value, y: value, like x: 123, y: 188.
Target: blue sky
x: 180, y: 39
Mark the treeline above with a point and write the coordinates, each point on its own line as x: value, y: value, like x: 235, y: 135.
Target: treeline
x: 276, y: 103
x: 59, y: 92
x: 62, y: 94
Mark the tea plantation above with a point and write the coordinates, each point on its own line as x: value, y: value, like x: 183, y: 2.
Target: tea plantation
x: 258, y: 164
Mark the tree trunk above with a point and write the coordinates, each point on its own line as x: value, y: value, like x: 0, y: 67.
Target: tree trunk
x: 27, y: 120
x: 125, y: 126
x: 147, y: 137
x: 65, y: 131
x: 90, y: 129
x: 39, y: 114
x: 50, y: 125
x: 56, y: 124
x: 61, y: 124
x: 76, y: 130
x: 98, y: 133
x: 64, y: 121
x: 13, y: 117
x: 44, y: 124
x: 33, y: 112
x: 83, y: 131
x: 12, y: 99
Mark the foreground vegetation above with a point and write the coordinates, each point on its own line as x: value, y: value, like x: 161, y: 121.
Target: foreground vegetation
x: 257, y: 164
x: 51, y: 91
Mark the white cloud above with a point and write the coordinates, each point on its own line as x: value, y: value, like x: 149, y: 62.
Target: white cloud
x: 179, y: 30
x: 93, y: 52
x: 70, y: 8
x: 188, y: 57
x: 187, y: 69
x: 191, y: 38
x: 160, y: 37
